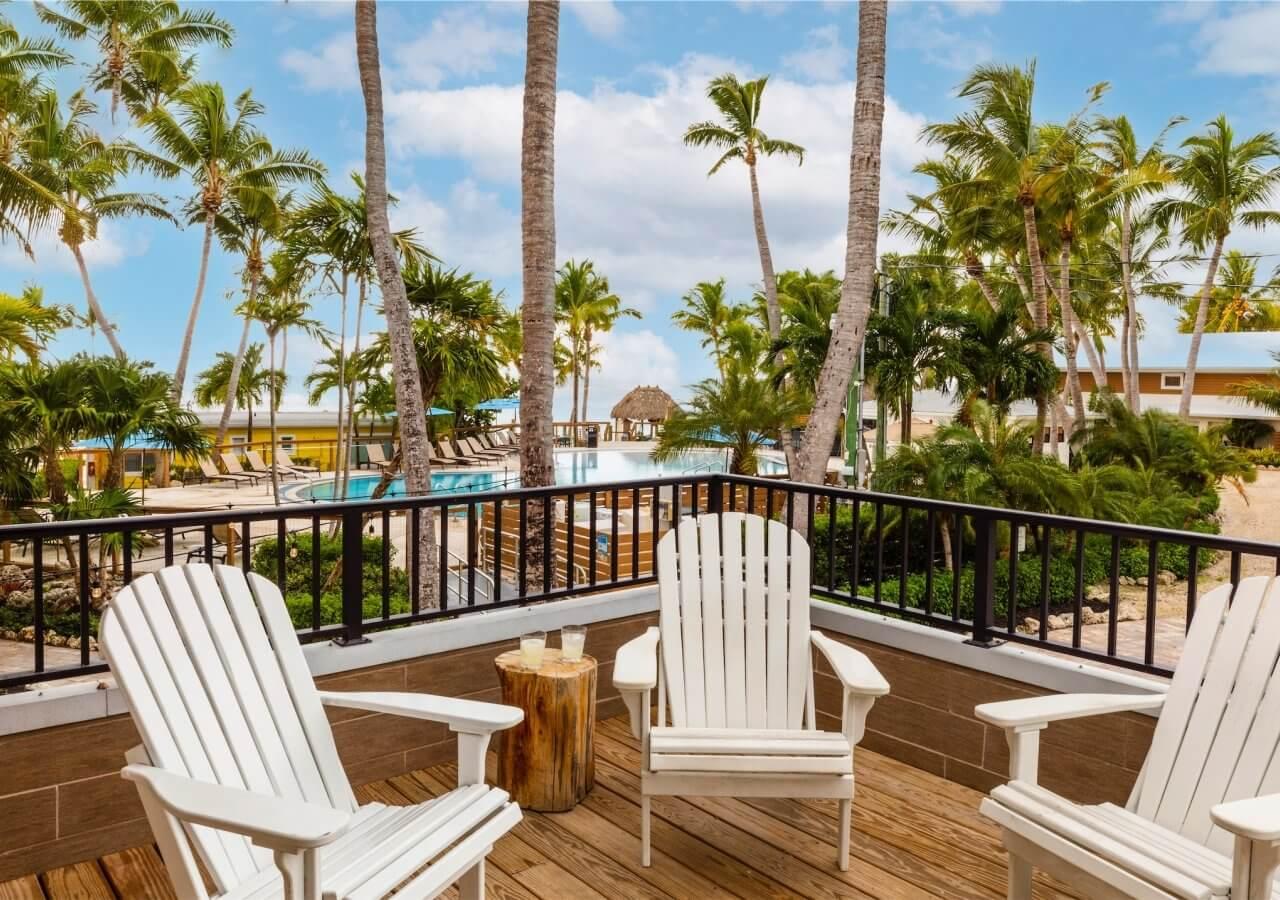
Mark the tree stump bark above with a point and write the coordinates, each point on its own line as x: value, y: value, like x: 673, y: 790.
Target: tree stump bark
x: 547, y: 762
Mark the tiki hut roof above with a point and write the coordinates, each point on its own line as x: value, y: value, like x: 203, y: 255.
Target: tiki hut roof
x: 647, y: 403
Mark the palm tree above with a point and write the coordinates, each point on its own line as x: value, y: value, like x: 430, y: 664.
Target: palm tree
x: 809, y: 301
x: 585, y: 304
x: 740, y: 137
x: 743, y: 410
x: 255, y: 380
x: 538, y: 245
x: 278, y: 313
x: 26, y: 323
x: 69, y: 159
x: 1223, y: 183
x: 1264, y: 393
x: 709, y: 311
x: 251, y: 219
x: 849, y: 328
x: 225, y: 155
x: 414, y: 444
x: 1145, y: 171
x: 1237, y: 303
x: 48, y: 403
x: 139, y: 40
x: 129, y: 401
x: 997, y: 361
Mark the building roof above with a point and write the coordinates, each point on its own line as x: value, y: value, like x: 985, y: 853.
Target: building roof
x: 285, y: 418
x: 647, y: 403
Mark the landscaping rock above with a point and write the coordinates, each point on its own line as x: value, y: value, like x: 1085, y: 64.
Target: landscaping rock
x: 1141, y: 582
x: 1057, y: 623
x: 1166, y: 577
x: 1129, y: 612
x: 1030, y: 626
x: 28, y: 634
x: 55, y: 640
x: 1128, y: 581
x: 60, y: 598
x: 1093, y: 617
x: 19, y: 600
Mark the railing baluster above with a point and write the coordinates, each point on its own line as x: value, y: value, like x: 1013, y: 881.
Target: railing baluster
x: 37, y: 599
x: 906, y: 547
x: 168, y: 547
x: 282, y: 538
x: 832, y: 510
x: 931, y: 550
x: 352, y: 577
x: 1149, y: 641
x: 208, y: 545
x: 497, y: 551
x: 571, y: 540
x: 855, y: 551
x: 1193, y: 576
x: 246, y: 546
x: 386, y: 563
x: 521, y: 551
x: 84, y: 599
x: 1011, y: 600
x: 1235, y: 567
x: 879, y: 552
x: 957, y: 561
x: 315, y: 573
x: 613, y: 536
x: 591, y: 540
x: 471, y: 554
x: 635, y: 532
x: 1113, y: 597
x: 653, y: 541
x: 1077, y: 618
x: 444, y: 558
x: 548, y: 526
x: 1045, y: 539
x: 126, y: 538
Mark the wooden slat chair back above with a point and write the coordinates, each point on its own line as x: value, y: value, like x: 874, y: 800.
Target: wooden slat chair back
x: 220, y: 692
x: 1203, y: 819
x: 1217, y: 735
x: 734, y: 618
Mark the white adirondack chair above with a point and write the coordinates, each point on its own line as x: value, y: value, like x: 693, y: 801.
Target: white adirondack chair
x: 238, y: 759
x: 1204, y: 817
x: 736, y: 674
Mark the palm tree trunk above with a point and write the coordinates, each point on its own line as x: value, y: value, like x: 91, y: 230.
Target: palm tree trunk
x: 1097, y: 365
x: 91, y: 299
x: 573, y: 409
x: 344, y: 452
x: 1202, y: 317
x: 362, y: 294
x: 975, y: 270
x: 180, y: 372
x: 1039, y: 309
x: 1069, y: 331
x: 249, y: 431
x: 1133, y: 392
x: 275, y: 474
x: 1126, y: 388
x: 860, y: 250
x: 233, y: 380
x: 415, y: 450
x: 538, y: 251
x: 908, y: 403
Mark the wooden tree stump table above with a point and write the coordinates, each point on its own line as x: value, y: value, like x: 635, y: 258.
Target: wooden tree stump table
x: 547, y: 762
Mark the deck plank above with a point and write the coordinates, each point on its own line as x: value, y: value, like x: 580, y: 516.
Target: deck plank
x: 138, y: 872
x: 82, y: 881
x: 25, y: 888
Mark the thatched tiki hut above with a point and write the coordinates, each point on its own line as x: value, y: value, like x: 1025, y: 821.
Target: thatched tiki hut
x: 638, y: 415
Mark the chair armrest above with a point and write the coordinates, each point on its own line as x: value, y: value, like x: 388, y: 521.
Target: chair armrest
x: 636, y: 666
x: 466, y: 716
x: 1256, y: 819
x: 1037, y: 712
x: 856, y: 673
x: 276, y: 823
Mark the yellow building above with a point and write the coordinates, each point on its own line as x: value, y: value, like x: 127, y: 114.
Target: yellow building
x: 309, y: 436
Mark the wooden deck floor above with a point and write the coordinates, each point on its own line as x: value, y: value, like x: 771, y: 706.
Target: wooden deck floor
x: 915, y: 836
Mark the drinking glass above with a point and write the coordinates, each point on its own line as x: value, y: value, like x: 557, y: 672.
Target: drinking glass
x: 531, y: 647
x: 572, y: 640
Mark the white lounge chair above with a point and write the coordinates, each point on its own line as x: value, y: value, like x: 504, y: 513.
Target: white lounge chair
x: 1204, y: 818
x: 731, y: 659
x: 238, y: 761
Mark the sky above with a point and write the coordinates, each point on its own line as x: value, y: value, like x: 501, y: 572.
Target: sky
x: 629, y: 195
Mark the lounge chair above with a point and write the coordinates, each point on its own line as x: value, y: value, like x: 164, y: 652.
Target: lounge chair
x: 736, y: 652
x: 472, y: 448
x: 288, y: 463
x: 446, y: 455
x: 259, y: 467
x: 233, y: 467
x: 238, y: 761
x: 209, y: 472
x: 376, y: 456
x: 224, y: 536
x: 490, y: 442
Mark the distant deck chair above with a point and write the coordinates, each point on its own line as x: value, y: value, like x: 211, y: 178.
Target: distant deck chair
x: 731, y: 659
x: 473, y: 448
x: 1203, y: 820
x: 238, y: 761
x: 375, y: 455
x: 225, y: 538
x: 288, y: 463
x: 259, y: 467
x: 233, y: 467
x: 505, y: 447
x: 445, y: 453
x: 209, y: 472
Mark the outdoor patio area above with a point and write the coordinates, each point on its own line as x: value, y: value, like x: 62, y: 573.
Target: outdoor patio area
x: 915, y: 835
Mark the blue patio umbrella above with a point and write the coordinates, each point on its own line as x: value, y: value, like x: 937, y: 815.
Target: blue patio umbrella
x: 433, y: 411
x: 499, y: 404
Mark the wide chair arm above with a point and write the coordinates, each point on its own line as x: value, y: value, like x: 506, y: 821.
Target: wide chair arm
x: 1255, y: 822
x: 473, y: 721
x: 1024, y: 719
x: 860, y: 679
x: 635, y: 675
x: 277, y: 823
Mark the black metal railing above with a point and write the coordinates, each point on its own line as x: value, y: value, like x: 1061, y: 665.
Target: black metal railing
x: 353, y: 568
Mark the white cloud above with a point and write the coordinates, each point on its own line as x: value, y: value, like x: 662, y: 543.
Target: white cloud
x: 600, y: 17
x: 111, y: 248
x: 1183, y: 11
x: 329, y: 67
x: 823, y: 58
x: 458, y: 43
x: 626, y: 360
x: 764, y: 7
x: 470, y: 228
x: 968, y: 8
x: 942, y: 45
x: 1242, y: 42
x: 325, y: 9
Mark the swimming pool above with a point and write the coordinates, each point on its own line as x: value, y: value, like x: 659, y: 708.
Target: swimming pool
x: 572, y: 467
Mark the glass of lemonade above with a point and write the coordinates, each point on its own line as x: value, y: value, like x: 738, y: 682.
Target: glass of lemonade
x: 572, y: 639
x: 532, y: 646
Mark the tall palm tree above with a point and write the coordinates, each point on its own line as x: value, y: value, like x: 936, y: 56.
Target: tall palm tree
x: 585, y: 305
x: 809, y: 302
x: 741, y: 138
x: 860, y: 248
x: 71, y: 160
x: 224, y: 154
x: 130, y: 400
x: 137, y: 40
x: 254, y: 383
x: 26, y: 323
x: 538, y: 248
x: 1264, y: 393
x: 1237, y: 302
x: 48, y: 402
x: 278, y: 313
x: 997, y: 361
x: 414, y: 444
x: 250, y: 220
x: 601, y: 317
x: 1145, y: 171
x: 708, y: 310
x: 1223, y: 183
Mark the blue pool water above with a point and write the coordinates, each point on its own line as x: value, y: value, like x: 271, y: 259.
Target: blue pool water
x: 572, y: 467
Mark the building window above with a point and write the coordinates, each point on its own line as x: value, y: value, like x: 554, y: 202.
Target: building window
x: 1170, y: 381
x: 286, y: 443
x: 237, y: 440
